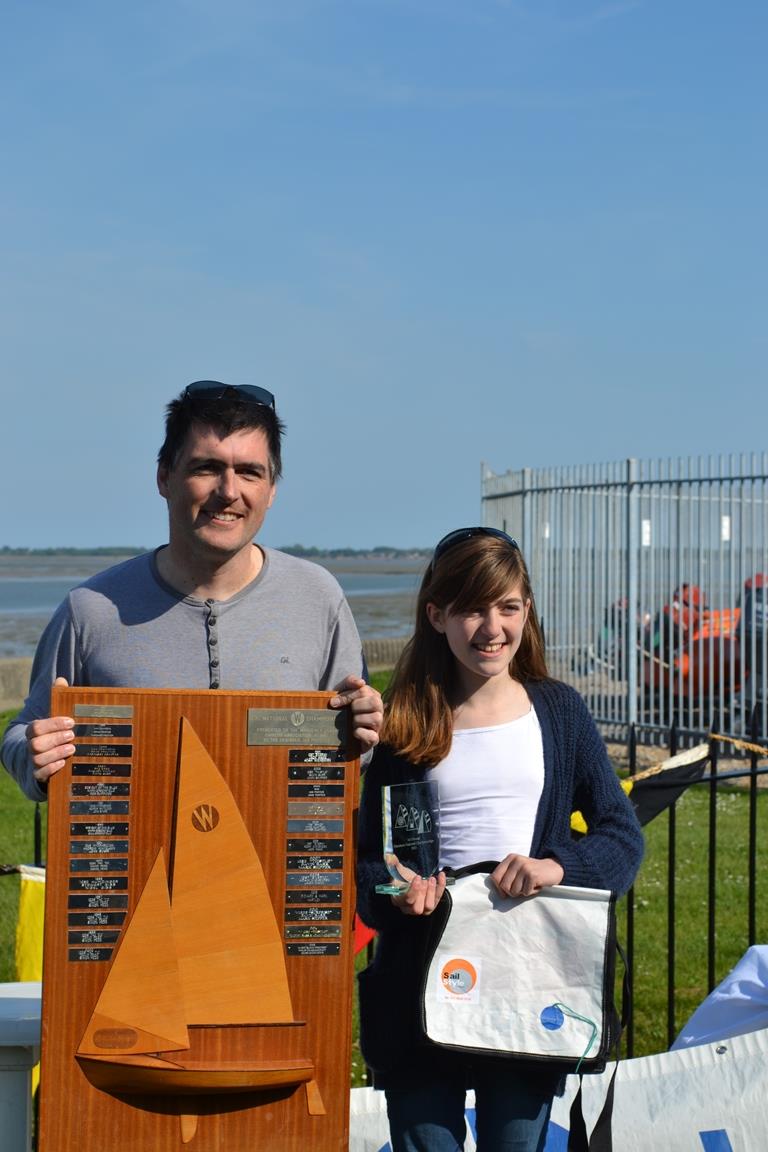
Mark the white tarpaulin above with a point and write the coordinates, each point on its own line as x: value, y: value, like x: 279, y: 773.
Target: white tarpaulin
x: 739, y: 1004
x: 711, y: 1098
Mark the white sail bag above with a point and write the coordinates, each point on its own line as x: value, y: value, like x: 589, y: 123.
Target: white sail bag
x: 527, y: 977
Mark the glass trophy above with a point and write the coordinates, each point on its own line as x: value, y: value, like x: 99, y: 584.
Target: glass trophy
x: 411, y: 828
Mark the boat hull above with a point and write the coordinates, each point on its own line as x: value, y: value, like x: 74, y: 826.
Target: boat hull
x: 153, y: 1075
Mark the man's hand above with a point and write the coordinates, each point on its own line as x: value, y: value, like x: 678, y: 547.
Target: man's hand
x: 366, y: 706
x: 524, y: 875
x: 50, y: 743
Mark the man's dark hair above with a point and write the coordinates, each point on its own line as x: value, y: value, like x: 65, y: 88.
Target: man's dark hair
x: 233, y: 412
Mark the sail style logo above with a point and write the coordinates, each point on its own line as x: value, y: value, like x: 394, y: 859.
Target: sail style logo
x: 205, y: 818
x: 459, y: 978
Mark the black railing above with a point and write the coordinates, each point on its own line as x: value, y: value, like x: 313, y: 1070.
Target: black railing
x: 714, y: 781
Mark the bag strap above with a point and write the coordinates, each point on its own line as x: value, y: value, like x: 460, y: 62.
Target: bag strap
x: 452, y: 874
x: 601, y: 1139
x: 626, y: 991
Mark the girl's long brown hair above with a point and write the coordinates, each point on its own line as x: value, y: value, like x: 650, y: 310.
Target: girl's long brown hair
x: 471, y: 575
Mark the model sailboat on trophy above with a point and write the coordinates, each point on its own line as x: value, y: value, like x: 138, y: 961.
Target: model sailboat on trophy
x: 197, y: 998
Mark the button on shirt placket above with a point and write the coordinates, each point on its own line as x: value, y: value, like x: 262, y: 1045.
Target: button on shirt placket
x: 214, y: 666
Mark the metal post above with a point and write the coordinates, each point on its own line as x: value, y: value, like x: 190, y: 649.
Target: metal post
x: 712, y: 870
x: 671, y: 905
x: 633, y: 591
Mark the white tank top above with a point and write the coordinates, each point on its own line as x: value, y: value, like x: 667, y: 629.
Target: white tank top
x: 489, y: 786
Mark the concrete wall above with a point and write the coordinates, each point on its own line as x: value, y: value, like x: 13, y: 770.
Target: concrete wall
x: 14, y: 682
x: 382, y: 653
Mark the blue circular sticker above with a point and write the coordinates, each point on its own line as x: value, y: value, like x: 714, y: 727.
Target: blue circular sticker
x: 552, y: 1018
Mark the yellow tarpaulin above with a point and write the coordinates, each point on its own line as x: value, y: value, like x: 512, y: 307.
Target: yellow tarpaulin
x: 29, y: 932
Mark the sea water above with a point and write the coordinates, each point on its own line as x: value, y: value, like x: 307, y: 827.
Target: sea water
x: 381, y: 594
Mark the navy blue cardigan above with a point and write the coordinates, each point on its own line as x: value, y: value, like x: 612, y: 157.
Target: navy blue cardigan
x: 577, y: 775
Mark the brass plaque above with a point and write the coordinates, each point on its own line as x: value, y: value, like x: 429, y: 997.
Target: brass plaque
x: 105, y: 711
x: 300, y: 808
x: 289, y: 726
x: 315, y: 827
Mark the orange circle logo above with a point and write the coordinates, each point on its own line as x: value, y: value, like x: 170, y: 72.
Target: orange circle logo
x: 458, y: 977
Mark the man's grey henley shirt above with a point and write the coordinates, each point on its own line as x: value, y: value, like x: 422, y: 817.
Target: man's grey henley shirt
x: 290, y: 629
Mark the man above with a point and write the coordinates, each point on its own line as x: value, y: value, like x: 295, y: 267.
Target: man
x: 211, y: 609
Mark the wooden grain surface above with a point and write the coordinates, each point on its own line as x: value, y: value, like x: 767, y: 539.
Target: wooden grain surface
x: 76, y: 1116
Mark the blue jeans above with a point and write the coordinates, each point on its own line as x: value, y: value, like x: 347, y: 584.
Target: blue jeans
x: 512, y: 1113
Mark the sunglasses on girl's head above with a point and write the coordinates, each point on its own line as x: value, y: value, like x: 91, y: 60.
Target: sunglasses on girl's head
x: 215, y: 390
x: 460, y: 534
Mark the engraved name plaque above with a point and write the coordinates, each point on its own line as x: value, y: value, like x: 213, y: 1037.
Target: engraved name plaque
x: 278, y: 726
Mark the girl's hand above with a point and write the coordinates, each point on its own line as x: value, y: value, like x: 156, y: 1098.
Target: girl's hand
x: 423, y: 895
x: 524, y: 875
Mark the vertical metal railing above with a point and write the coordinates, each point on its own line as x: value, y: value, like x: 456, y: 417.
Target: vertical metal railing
x: 671, y: 904
x: 652, y: 578
x: 714, y: 781
x: 714, y: 755
x: 752, y: 852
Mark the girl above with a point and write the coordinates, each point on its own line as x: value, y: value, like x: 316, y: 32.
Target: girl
x: 514, y: 753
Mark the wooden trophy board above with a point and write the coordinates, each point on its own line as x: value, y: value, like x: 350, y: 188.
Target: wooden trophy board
x: 197, y: 981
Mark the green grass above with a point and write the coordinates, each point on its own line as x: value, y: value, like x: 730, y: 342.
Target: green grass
x: 691, y: 881
x: 380, y: 680
x: 650, y: 968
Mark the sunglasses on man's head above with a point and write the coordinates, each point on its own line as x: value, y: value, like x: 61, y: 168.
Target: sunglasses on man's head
x: 215, y: 390
x: 461, y: 534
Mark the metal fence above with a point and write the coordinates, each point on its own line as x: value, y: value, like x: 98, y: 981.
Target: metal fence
x: 723, y: 929
x: 651, y: 579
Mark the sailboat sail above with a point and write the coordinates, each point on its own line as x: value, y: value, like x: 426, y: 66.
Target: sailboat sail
x: 227, y: 938
x: 141, y: 1008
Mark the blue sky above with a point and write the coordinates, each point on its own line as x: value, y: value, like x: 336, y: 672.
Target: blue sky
x: 443, y: 233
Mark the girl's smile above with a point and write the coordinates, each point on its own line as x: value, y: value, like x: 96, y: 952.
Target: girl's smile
x: 484, y: 641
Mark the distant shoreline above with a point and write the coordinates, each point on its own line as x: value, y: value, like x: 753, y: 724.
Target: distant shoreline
x: 311, y: 553
x: 381, y: 591
x: 21, y: 562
